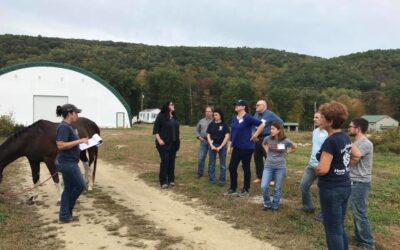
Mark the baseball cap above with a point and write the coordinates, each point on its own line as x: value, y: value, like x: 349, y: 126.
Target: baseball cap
x: 241, y: 102
x: 70, y: 108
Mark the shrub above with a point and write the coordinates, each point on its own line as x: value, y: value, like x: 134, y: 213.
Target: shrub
x: 6, y: 125
x: 387, y: 141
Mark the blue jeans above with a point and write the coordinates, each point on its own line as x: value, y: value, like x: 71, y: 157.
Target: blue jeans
x: 203, y: 150
x: 307, y: 180
x: 277, y: 175
x: 222, y: 165
x: 359, y: 204
x: 74, y: 184
x: 333, y: 207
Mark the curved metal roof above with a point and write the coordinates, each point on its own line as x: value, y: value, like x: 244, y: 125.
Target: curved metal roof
x: 73, y: 68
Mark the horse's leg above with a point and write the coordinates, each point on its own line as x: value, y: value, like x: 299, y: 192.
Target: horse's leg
x: 95, y: 154
x: 35, y: 167
x: 92, y: 167
x: 51, y: 166
x: 86, y: 166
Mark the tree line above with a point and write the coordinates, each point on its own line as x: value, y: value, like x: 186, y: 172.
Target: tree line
x: 193, y: 77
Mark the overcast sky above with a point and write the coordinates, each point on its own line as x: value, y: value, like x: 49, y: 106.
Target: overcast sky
x: 325, y: 28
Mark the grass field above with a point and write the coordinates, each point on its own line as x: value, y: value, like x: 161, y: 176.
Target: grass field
x: 20, y: 225
x: 288, y: 228
x: 134, y: 149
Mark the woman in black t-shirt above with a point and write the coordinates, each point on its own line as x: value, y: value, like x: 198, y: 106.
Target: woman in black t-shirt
x: 166, y: 130
x: 335, y: 156
x: 217, y: 136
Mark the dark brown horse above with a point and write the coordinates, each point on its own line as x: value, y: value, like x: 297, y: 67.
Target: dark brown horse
x: 37, y: 143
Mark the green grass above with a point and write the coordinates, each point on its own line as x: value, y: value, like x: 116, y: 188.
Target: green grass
x: 288, y: 229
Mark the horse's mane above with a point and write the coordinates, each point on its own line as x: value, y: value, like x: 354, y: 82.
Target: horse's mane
x: 20, y: 130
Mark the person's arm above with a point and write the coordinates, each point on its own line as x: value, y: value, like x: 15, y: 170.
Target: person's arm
x: 226, y: 139
x: 324, y: 163
x: 265, y: 145
x: 210, y: 142
x: 355, y: 155
x: 156, y: 130
x: 63, y: 145
x: 292, y: 148
x: 159, y: 140
x: 258, y: 132
x: 198, y: 131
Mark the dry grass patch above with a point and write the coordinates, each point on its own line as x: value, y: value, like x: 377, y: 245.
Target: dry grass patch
x: 288, y: 228
x: 21, y: 227
x: 135, y: 227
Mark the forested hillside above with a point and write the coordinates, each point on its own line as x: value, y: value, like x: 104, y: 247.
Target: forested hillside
x: 369, y: 83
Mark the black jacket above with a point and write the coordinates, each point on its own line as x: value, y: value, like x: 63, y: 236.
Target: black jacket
x: 168, y: 129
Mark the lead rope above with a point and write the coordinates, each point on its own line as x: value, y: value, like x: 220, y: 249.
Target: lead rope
x: 10, y: 195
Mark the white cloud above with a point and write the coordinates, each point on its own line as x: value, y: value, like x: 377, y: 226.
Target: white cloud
x: 323, y: 28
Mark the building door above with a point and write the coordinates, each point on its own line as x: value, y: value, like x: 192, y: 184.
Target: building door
x: 44, y: 107
x: 120, y: 119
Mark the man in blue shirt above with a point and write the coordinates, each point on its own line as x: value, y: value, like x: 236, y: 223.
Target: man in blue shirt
x: 267, y: 117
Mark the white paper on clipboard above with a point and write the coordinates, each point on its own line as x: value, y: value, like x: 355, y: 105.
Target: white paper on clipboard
x: 94, y: 141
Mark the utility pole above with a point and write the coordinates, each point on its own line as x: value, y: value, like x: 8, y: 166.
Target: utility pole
x: 191, y: 100
x: 141, y: 104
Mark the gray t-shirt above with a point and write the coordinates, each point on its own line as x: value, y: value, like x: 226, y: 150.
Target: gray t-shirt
x: 276, y: 152
x: 362, y: 172
x: 201, y: 127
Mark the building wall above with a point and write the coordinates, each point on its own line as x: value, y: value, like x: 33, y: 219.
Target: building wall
x: 18, y: 88
x: 386, y: 122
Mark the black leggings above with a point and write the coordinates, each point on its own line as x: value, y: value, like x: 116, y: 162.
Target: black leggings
x: 167, y: 165
x: 244, y: 155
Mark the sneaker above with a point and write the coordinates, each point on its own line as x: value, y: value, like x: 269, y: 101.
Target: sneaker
x: 230, y: 192
x: 244, y: 193
x: 221, y: 184
x: 164, y: 186
x: 75, y: 218
x: 365, y: 247
x: 172, y: 184
x: 306, y: 210
x: 257, y: 181
x: 64, y: 221
x: 266, y: 208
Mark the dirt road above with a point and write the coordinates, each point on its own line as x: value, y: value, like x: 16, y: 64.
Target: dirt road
x: 124, y: 212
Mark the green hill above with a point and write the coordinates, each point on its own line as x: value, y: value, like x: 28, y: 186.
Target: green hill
x: 196, y: 76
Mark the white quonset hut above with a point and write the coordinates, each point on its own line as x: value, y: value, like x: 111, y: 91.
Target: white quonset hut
x: 31, y: 91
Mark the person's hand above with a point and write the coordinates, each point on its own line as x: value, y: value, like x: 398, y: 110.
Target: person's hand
x: 161, y: 142
x: 84, y: 140
x: 254, y: 138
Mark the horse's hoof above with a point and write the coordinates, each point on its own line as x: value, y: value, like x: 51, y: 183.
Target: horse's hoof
x: 90, y: 188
